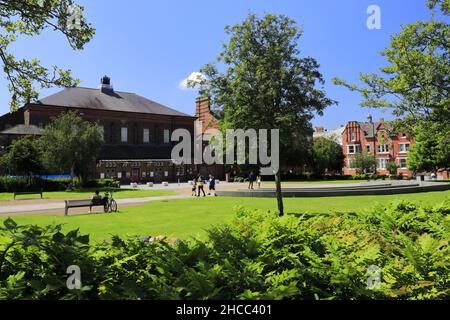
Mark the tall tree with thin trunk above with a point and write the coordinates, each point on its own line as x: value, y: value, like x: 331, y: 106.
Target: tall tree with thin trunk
x: 265, y: 84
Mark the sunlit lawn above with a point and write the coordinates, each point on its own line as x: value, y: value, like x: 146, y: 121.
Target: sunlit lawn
x: 87, y: 193
x: 190, y: 217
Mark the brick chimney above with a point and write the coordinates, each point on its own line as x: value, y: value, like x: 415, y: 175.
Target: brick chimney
x: 203, y: 114
x: 105, y: 85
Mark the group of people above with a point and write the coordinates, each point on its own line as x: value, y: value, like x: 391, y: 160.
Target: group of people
x: 251, y: 180
x: 199, y: 186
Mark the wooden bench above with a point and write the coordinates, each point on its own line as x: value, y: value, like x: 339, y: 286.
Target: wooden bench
x: 81, y: 204
x: 37, y: 191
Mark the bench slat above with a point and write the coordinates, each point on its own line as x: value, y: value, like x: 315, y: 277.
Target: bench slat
x: 80, y: 204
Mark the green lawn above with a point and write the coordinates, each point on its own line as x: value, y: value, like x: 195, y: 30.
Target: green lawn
x: 189, y: 217
x: 87, y: 193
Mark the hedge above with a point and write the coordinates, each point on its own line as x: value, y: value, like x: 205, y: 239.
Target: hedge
x: 256, y: 256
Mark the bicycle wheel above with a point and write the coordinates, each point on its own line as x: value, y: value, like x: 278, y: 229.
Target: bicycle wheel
x: 113, y: 206
x: 106, y: 207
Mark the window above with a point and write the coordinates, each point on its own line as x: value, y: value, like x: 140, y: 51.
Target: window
x: 102, y: 175
x: 146, y: 136
x: 166, y: 136
x: 403, y: 147
x: 367, y: 147
x: 102, y: 131
x: 381, y: 163
x: 403, y: 163
x: 124, y: 134
x: 353, y: 136
x: 353, y: 148
x: 404, y: 134
x: 383, y: 148
x: 119, y: 175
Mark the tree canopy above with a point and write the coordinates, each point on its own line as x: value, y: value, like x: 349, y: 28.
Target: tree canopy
x: 23, y: 157
x: 31, y: 18
x: 70, y: 144
x: 266, y: 84
x: 327, y: 154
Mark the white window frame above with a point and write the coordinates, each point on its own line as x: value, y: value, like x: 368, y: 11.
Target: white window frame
x: 400, y: 163
x: 383, y: 148
x: 353, y: 136
x: 102, y: 132
x: 404, y: 144
x: 367, y: 147
x: 166, y: 136
x: 124, y: 134
x: 384, y: 165
x: 356, y: 148
x: 146, y: 135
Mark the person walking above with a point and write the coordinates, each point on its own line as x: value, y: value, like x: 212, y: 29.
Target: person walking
x: 194, y: 189
x: 258, y: 181
x: 251, y: 180
x: 212, y: 185
x: 200, y: 186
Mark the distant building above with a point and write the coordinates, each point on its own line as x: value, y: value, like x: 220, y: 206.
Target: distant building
x: 136, y: 131
x: 335, y: 134
x: 377, y: 138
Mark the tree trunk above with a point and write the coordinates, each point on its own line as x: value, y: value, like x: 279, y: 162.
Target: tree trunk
x: 279, y: 195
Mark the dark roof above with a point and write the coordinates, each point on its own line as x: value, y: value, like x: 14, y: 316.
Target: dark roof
x: 112, y: 101
x: 367, y: 127
x: 22, y: 129
x: 135, y: 152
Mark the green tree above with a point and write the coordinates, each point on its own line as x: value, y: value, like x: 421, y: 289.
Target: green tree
x: 392, y: 167
x: 30, y: 18
x: 363, y: 162
x: 430, y: 150
x: 415, y: 84
x: 23, y: 157
x: 327, y: 154
x: 72, y: 145
x: 267, y: 85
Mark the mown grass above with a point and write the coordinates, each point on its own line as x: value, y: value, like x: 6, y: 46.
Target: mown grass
x: 184, y: 218
x: 87, y: 193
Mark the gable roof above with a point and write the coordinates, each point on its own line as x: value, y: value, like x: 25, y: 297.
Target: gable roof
x: 23, y: 129
x: 89, y: 98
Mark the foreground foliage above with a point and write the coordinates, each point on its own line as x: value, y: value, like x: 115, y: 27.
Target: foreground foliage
x: 257, y: 256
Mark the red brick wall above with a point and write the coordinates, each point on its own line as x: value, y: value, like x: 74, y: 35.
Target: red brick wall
x: 353, y: 129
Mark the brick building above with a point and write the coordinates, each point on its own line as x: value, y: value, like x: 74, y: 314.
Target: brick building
x: 136, y: 131
x: 377, y: 138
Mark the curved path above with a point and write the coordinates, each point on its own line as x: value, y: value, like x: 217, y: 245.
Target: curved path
x: 340, y: 191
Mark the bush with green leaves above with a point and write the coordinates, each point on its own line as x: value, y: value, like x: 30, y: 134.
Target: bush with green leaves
x: 256, y: 256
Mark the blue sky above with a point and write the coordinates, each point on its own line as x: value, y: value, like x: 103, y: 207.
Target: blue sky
x: 148, y: 46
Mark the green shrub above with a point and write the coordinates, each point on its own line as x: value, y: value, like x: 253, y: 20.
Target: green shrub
x: 102, y: 184
x: 256, y: 256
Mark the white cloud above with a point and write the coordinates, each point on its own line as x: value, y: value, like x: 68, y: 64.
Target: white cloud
x: 194, y: 81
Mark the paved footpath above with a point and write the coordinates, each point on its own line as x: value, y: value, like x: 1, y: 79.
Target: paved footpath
x: 59, y: 204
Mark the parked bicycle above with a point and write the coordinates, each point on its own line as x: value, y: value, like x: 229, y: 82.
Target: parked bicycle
x: 110, y: 205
